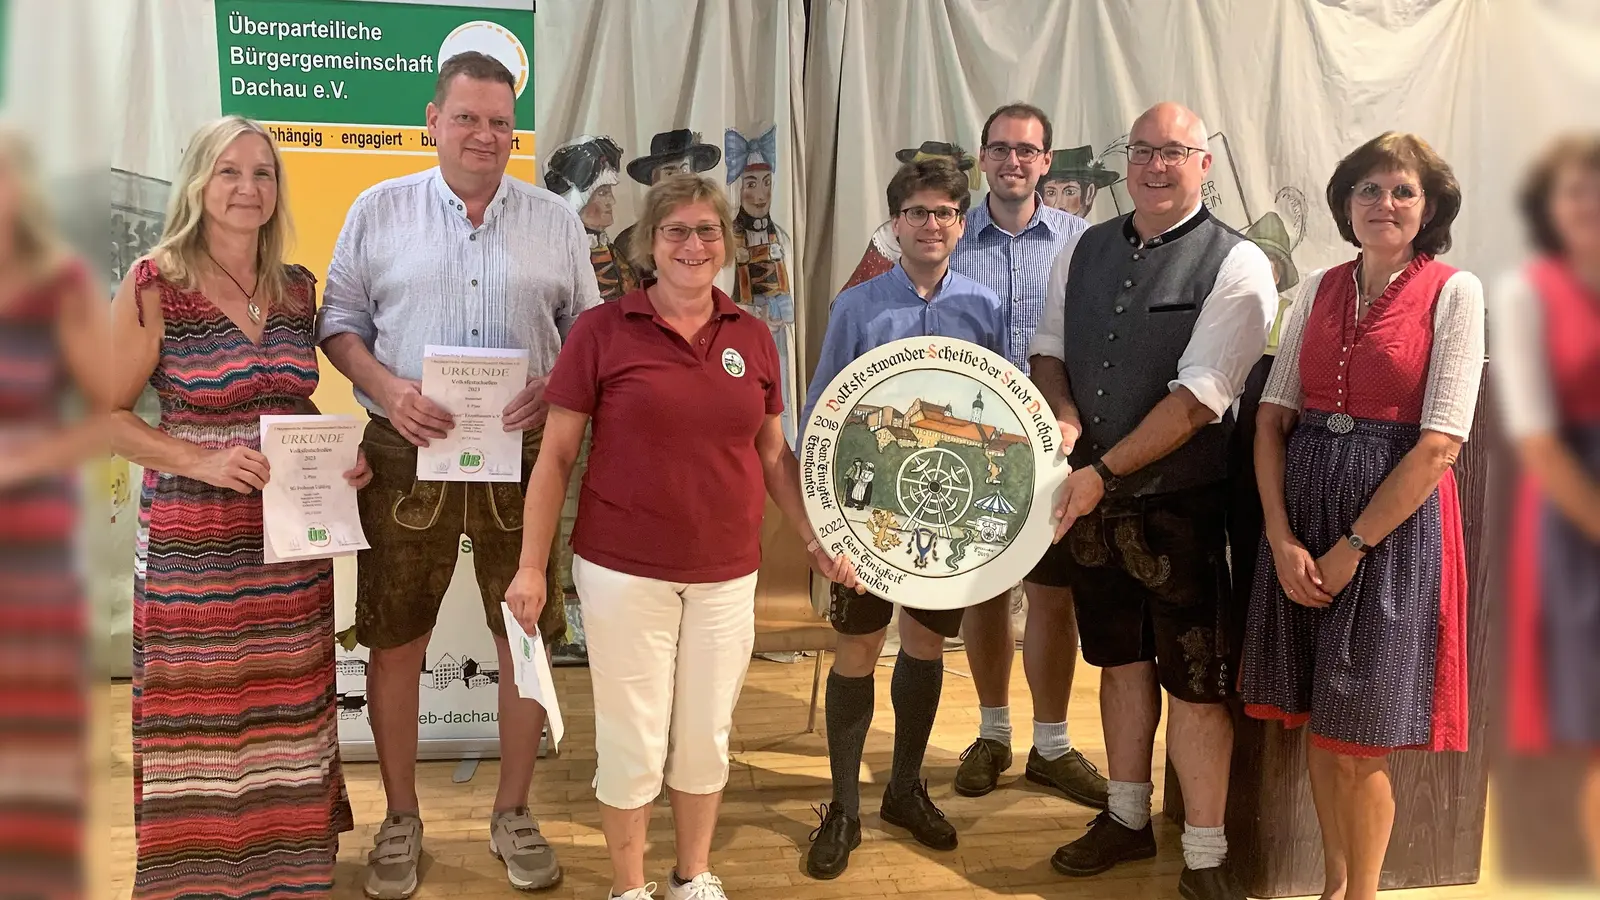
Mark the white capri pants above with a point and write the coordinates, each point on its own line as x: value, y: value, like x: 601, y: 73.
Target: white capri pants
x: 667, y: 661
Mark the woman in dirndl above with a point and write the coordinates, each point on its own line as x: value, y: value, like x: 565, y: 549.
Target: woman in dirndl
x: 1357, y: 622
x: 1547, y: 350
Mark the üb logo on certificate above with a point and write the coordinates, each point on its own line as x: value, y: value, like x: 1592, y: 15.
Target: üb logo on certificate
x: 474, y: 385
x: 308, y: 509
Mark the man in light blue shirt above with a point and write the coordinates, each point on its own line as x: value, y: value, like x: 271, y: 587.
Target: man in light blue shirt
x: 1010, y: 245
x: 459, y: 255
x: 920, y: 296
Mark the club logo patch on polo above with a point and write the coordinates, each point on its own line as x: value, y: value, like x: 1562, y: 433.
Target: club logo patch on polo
x: 733, y: 362
x: 934, y: 464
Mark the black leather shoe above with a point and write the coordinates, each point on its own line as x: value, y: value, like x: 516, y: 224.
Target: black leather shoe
x: 981, y: 765
x: 916, y: 813
x: 832, y: 842
x: 1209, y: 884
x: 1107, y: 843
x: 1075, y: 777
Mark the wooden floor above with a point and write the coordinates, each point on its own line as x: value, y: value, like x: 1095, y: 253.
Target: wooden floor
x: 779, y: 775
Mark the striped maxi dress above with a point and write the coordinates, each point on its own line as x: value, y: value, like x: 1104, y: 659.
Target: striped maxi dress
x: 43, y: 635
x: 238, y: 791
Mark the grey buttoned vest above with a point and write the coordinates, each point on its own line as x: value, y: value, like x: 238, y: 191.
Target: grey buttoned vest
x: 1130, y: 312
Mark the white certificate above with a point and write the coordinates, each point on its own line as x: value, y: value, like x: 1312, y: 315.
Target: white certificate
x: 534, y: 679
x: 474, y: 385
x: 308, y: 510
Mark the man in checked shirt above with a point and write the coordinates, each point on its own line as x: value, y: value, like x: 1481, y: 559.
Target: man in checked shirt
x: 1011, y: 241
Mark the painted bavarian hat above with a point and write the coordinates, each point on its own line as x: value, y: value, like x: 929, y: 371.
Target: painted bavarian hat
x: 1269, y: 233
x: 671, y: 145
x: 579, y: 167
x: 1079, y: 164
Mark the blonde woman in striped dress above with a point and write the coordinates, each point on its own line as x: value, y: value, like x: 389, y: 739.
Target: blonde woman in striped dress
x: 238, y: 790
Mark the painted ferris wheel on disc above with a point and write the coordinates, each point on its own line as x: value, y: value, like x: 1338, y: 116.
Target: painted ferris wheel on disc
x: 935, y: 488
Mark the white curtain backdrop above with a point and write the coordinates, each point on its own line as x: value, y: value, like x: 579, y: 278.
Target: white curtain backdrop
x: 1289, y: 86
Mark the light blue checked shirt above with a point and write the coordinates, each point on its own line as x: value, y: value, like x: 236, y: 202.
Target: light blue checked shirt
x: 410, y: 269
x: 887, y: 308
x: 1015, y: 266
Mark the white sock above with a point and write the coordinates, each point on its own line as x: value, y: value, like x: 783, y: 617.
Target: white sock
x: 1129, y: 802
x: 1050, y: 739
x: 1204, y: 848
x: 995, y: 723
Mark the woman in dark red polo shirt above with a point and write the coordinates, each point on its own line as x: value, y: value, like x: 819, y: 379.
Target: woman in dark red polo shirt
x: 683, y: 390
x: 1357, y: 623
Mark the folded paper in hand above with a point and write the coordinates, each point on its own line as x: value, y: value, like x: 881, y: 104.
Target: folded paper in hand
x: 534, y: 680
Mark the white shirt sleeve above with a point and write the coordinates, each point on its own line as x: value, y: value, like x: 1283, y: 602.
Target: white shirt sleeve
x: 1050, y: 338
x: 1230, y: 334
x: 1521, y: 375
x: 1455, y: 367
x: 1283, y: 383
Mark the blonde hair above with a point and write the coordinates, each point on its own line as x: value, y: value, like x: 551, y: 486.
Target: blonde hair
x: 669, y: 194
x: 39, y: 245
x: 183, y: 240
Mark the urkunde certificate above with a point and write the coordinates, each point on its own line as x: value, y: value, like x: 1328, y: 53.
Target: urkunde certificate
x: 308, y: 510
x: 474, y: 385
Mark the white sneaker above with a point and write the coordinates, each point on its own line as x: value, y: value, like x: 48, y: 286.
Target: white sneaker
x: 648, y: 892
x: 704, y: 886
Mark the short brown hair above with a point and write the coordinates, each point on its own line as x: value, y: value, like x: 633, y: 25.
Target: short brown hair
x: 474, y: 65
x: 1017, y: 111
x: 668, y: 194
x: 1580, y: 150
x: 935, y: 173
x: 1390, y: 152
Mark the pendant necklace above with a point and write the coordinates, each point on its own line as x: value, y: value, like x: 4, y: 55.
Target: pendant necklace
x: 1343, y: 422
x: 250, y: 306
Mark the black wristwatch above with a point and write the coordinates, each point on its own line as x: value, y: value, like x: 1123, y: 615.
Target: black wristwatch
x: 1357, y: 544
x: 1111, y: 480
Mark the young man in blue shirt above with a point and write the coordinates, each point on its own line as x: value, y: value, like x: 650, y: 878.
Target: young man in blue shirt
x: 1012, y: 239
x: 920, y: 296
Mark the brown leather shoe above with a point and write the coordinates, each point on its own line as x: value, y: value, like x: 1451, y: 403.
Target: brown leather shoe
x: 981, y: 765
x: 1072, y: 775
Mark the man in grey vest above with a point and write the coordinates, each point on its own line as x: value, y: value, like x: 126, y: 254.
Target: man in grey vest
x: 1151, y: 325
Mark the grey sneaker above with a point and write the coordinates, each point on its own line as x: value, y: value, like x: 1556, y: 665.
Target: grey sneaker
x: 392, y: 862
x: 514, y: 839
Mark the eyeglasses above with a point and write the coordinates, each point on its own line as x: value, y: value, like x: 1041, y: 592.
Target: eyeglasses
x: 677, y: 234
x: 918, y: 216
x: 1026, y: 153
x: 1404, y: 195
x: 1171, y: 154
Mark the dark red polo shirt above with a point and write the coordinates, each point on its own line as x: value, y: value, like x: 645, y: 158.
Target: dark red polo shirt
x: 674, y: 488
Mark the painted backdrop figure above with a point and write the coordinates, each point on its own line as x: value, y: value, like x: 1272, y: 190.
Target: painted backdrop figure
x: 1547, y: 366
x: 458, y: 255
x: 1357, y: 622
x: 1011, y: 242
x: 671, y: 153
x: 1075, y: 177
x: 883, y: 248
x: 1154, y: 322
x: 761, y: 274
x: 584, y: 171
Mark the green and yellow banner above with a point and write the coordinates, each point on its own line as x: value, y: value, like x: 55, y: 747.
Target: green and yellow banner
x: 344, y: 87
